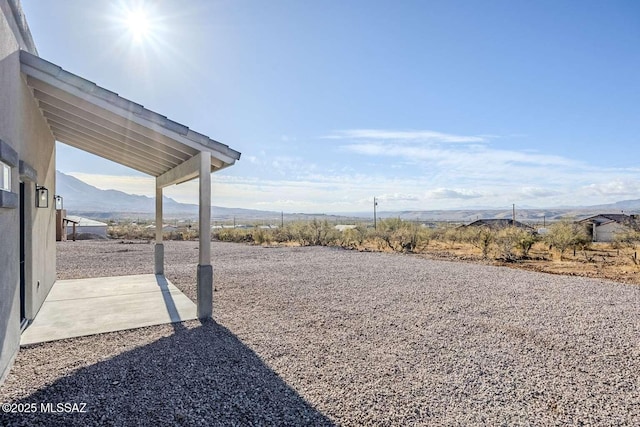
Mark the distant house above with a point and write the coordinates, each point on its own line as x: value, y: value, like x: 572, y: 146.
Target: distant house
x: 604, y: 227
x: 498, y: 224
x: 86, y: 225
x: 166, y: 228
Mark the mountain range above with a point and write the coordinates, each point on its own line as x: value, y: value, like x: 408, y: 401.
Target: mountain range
x: 83, y: 199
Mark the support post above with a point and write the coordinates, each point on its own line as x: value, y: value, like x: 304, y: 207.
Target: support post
x: 205, y: 270
x: 159, y: 247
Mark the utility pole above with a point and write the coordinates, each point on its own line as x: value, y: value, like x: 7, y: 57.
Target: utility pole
x: 375, y: 222
x: 282, y: 219
x: 513, y: 221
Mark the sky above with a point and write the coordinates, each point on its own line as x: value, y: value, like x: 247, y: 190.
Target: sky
x: 422, y: 104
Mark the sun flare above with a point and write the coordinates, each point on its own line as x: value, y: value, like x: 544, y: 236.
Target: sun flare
x: 139, y: 29
x: 138, y: 24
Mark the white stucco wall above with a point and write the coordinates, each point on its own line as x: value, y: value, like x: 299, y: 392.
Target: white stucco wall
x: 24, y: 129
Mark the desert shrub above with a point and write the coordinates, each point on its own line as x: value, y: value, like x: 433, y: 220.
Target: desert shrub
x: 480, y: 237
x: 236, y: 235
x: 526, y: 242
x: 130, y: 232
x: 506, y: 241
x: 628, y: 240
x: 353, y: 237
x: 453, y: 235
x: 301, y: 234
x: 284, y: 234
x: 323, y: 233
x: 565, y: 234
x: 190, y: 233
x: 314, y: 233
x: 438, y: 233
x: 176, y: 235
x: 384, y: 234
x: 401, y: 236
x: 262, y: 236
x: 412, y: 237
x: 511, y: 238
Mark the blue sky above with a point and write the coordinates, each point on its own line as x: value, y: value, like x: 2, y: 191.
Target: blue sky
x: 423, y: 104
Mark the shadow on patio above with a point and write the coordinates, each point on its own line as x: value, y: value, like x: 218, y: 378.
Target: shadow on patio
x: 80, y: 307
x: 197, y: 376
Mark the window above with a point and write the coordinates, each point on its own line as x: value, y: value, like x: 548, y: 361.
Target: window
x: 5, y: 177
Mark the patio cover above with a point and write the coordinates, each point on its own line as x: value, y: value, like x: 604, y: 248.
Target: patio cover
x: 93, y: 119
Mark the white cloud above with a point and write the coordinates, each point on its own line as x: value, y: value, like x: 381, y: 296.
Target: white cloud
x: 404, y: 135
x: 404, y: 170
x: 355, y: 192
x: 447, y: 193
x: 617, y: 187
x: 537, y: 192
x: 282, y: 165
x: 477, y: 157
x: 398, y: 197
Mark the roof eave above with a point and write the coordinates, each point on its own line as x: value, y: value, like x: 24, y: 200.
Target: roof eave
x: 38, y: 70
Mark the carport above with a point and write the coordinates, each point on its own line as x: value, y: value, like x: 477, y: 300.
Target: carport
x: 96, y: 120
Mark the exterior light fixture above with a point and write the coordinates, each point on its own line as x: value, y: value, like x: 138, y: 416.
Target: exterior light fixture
x: 59, y: 202
x: 42, y: 197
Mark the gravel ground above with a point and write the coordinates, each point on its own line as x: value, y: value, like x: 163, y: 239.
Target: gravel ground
x: 320, y: 336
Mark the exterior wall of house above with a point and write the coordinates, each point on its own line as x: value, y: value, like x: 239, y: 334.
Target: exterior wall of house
x: 24, y: 130
x: 607, y: 232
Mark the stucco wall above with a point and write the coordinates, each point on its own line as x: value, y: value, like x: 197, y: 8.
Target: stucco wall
x: 607, y: 232
x: 38, y: 148
x: 23, y: 128
x: 9, y: 218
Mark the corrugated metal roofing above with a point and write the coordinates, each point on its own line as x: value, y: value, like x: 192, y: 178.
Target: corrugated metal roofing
x: 93, y: 119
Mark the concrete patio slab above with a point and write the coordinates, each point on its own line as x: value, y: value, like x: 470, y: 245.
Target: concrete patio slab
x: 82, y: 307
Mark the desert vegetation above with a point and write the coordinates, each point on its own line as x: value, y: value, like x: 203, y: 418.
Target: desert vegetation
x: 565, y: 248
x: 395, y: 235
x: 145, y: 230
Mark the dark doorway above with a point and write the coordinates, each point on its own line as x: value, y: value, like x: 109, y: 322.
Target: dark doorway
x: 22, y: 255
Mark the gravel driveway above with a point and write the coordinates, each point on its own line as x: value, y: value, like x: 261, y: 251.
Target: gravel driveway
x: 321, y: 336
